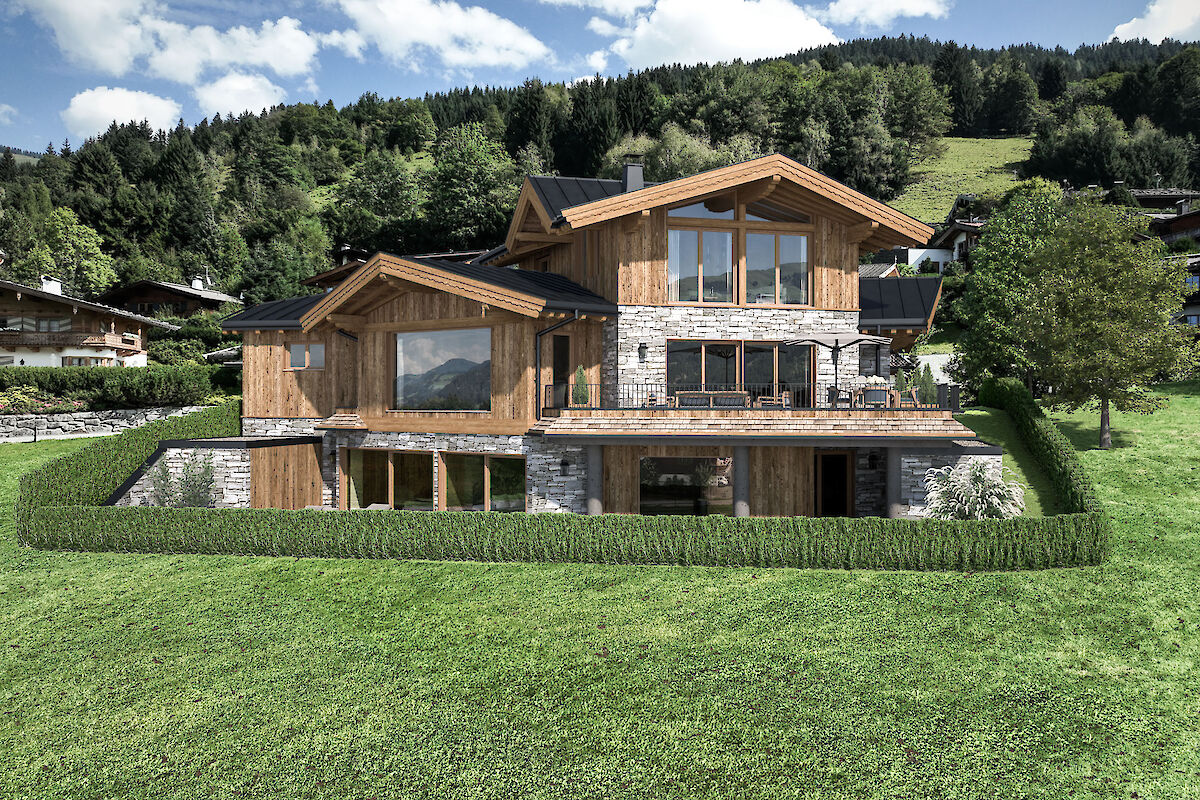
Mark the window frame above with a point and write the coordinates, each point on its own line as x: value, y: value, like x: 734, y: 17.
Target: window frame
x: 740, y: 359
x: 739, y: 226
x: 307, y: 357
x: 437, y: 475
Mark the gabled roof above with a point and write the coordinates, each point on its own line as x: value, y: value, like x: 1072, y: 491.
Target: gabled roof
x: 558, y: 194
x: 178, y: 288
x: 899, y: 302
x: 75, y: 302
x: 876, y: 270
x: 520, y: 291
x: 957, y: 226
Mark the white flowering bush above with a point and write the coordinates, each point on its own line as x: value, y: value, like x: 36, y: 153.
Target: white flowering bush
x: 972, y: 490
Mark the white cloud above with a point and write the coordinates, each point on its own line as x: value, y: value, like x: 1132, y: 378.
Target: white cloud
x: 614, y: 8
x: 598, y: 60
x: 349, y: 42
x: 8, y: 114
x: 877, y: 14
x: 184, y: 53
x: 106, y: 35
x: 92, y: 111
x: 602, y: 27
x: 1177, y: 19
x: 237, y: 92
x: 460, y: 37
x: 691, y: 31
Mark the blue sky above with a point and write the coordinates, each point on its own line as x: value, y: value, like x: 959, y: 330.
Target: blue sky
x: 71, y: 66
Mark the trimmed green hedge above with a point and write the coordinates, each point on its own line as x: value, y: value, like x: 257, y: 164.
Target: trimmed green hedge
x: 58, y: 508
x: 88, y: 476
x: 1053, y: 451
x: 867, y: 543
x: 118, y: 387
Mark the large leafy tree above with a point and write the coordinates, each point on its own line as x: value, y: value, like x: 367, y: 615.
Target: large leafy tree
x: 995, y: 342
x: 1097, y: 312
x: 471, y: 189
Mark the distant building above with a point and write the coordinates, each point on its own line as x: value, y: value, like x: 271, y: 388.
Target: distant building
x: 159, y: 297
x: 1191, y: 304
x: 45, y: 328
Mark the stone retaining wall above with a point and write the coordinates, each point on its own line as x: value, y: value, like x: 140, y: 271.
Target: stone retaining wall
x: 36, y: 427
x: 231, y: 476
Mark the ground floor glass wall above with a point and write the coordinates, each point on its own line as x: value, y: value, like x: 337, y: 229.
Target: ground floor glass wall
x: 405, y: 480
x: 686, y: 486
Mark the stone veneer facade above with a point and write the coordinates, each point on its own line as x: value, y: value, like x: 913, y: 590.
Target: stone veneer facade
x: 654, y: 325
x: 28, y: 427
x: 231, y: 476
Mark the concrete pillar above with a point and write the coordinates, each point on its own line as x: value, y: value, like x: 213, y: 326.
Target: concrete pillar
x: 595, y: 479
x: 741, y: 481
x: 893, y: 483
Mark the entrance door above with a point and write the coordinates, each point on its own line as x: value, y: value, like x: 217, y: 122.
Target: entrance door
x: 835, y: 484
x: 561, y: 369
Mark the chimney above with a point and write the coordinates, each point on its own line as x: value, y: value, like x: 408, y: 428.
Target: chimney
x: 51, y: 285
x: 197, y: 283
x: 634, y: 177
x: 1185, y: 206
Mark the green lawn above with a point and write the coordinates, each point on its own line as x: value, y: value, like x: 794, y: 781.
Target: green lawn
x: 995, y: 426
x: 196, y: 677
x: 969, y: 166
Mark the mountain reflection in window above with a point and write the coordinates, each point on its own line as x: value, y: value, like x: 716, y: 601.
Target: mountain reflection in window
x: 444, y: 370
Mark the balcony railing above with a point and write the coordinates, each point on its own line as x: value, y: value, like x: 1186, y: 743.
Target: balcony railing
x: 745, y: 396
x: 70, y: 339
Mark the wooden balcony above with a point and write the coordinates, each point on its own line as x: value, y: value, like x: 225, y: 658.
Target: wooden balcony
x: 39, y: 339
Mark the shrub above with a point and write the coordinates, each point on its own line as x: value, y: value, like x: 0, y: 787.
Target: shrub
x: 117, y: 387
x: 972, y: 491
x: 825, y: 543
x: 192, y: 488
x: 579, y: 394
x: 29, y: 400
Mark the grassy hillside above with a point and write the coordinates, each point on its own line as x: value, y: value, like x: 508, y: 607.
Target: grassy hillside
x: 969, y: 166
x: 187, y: 677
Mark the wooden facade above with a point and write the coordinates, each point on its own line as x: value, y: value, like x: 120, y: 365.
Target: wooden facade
x: 286, y: 477
x: 37, y: 321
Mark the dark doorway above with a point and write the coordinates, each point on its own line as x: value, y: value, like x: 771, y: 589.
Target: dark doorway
x: 561, y: 369
x: 835, y: 484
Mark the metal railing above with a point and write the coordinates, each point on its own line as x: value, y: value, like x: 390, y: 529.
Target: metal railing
x: 745, y: 396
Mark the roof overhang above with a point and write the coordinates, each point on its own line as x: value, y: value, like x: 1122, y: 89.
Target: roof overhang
x: 893, y: 226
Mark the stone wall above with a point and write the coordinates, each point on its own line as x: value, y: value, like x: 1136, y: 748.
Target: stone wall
x: 914, y: 465
x: 654, y: 325
x: 870, y: 488
x: 546, y: 488
x: 231, y: 476
x: 30, y: 427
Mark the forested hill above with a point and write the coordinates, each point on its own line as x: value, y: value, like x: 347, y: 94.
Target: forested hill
x: 255, y: 202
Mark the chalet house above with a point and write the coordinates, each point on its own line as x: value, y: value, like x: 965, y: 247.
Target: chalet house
x: 45, y: 328
x: 160, y: 297
x: 703, y: 345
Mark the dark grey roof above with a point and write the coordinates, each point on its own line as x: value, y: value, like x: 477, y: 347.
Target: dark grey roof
x: 75, y: 301
x: 178, y: 288
x: 559, y: 293
x: 283, y: 315
x: 558, y: 193
x: 897, y: 302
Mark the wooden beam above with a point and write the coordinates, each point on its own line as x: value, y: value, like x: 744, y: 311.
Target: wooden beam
x: 635, y: 222
x: 543, y: 238
x: 760, y: 190
x: 348, y: 321
x: 861, y: 232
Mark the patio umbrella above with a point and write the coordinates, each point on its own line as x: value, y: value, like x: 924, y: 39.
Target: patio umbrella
x: 836, y: 342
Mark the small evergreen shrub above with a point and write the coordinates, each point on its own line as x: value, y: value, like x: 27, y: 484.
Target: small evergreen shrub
x: 972, y: 490
x: 579, y: 393
x: 192, y: 488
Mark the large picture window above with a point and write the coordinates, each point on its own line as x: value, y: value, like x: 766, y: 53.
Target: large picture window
x: 686, y: 486
x: 700, y: 266
x: 762, y: 370
x: 405, y: 480
x: 444, y: 370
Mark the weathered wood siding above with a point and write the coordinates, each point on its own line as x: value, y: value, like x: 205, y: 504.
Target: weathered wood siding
x: 269, y: 389
x: 285, y: 477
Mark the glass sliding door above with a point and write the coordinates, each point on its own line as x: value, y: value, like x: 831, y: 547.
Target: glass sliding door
x: 367, y: 478
x: 412, y: 484
x: 686, y: 486
x: 795, y: 374
x: 463, y: 476
x: 506, y: 483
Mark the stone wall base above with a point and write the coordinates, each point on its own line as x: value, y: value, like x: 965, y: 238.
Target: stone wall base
x: 79, y: 424
x: 231, y: 476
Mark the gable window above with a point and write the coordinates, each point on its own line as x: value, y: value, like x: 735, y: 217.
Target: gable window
x: 444, y: 370
x: 306, y: 356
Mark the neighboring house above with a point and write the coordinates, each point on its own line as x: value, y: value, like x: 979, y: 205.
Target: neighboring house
x: 160, y: 297
x: 45, y: 328
x: 922, y: 259
x: 956, y: 241
x: 878, y: 271
x: 1173, y: 227
x: 732, y: 361
x: 1191, y: 304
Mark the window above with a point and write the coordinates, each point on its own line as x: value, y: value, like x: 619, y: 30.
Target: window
x: 399, y: 480
x: 18, y: 323
x: 306, y: 356
x: 412, y: 481
x: 870, y: 361
x: 700, y: 266
x: 1190, y: 319
x: 683, y: 266
x: 84, y: 361
x: 698, y: 486
x: 367, y: 478
x: 701, y: 365
x: 444, y: 370
x: 53, y: 324
x: 474, y: 482
x: 766, y: 368
x: 1193, y: 283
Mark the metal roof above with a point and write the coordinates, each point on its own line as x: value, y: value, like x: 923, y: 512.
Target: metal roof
x: 897, y: 302
x: 282, y: 315
x: 557, y: 193
x: 75, y: 301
